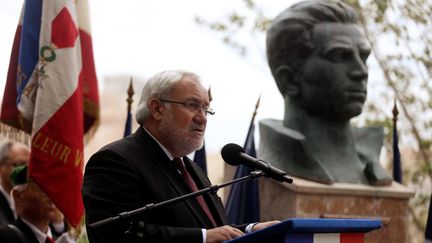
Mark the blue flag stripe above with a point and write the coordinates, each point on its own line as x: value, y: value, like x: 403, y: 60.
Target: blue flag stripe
x: 29, y: 44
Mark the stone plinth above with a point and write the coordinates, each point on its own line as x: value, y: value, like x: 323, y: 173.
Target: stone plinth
x: 307, y: 199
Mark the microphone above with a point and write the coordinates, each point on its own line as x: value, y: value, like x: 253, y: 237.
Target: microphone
x: 234, y: 155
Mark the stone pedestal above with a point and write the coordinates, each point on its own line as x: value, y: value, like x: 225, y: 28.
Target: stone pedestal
x: 307, y: 199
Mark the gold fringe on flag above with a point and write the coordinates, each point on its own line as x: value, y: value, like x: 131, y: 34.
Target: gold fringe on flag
x: 15, y: 134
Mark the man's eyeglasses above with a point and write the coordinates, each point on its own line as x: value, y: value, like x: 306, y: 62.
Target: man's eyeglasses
x: 192, y: 106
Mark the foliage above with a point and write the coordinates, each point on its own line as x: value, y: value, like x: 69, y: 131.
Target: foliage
x: 399, y: 32
x: 407, y: 73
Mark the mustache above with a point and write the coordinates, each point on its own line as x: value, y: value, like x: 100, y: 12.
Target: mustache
x: 198, y: 127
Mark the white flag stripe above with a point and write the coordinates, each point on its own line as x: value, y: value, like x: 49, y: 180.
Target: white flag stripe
x: 327, y: 238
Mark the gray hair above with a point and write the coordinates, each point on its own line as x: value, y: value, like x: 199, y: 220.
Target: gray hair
x: 159, y: 86
x: 5, y: 148
x: 289, y: 38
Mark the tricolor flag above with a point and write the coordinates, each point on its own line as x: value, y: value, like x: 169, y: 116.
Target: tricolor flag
x: 51, y: 93
x: 128, y: 124
x: 325, y: 238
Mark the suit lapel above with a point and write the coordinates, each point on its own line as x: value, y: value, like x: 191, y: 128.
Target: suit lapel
x: 170, y: 173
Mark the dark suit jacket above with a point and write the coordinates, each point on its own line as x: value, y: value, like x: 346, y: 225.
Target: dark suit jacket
x: 10, y: 236
x: 6, y: 214
x: 133, y: 172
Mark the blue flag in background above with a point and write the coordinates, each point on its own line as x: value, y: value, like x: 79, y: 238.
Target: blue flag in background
x: 428, y: 232
x: 200, y: 158
x: 243, y: 200
x: 397, y: 167
x: 128, y: 125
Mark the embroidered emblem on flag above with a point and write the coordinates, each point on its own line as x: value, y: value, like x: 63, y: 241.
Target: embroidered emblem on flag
x: 51, y: 93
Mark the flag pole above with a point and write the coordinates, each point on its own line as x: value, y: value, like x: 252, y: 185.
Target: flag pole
x: 209, y: 94
x: 253, y: 117
x: 397, y: 167
x: 130, y: 93
x: 256, y: 109
x: 395, y: 114
x: 129, y: 100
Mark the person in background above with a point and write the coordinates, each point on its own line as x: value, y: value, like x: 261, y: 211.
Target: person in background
x: 151, y: 166
x: 12, y: 154
x: 35, y: 211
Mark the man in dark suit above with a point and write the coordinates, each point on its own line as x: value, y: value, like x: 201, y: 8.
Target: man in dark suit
x: 12, y: 154
x: 17, y: 233
x: 35, y: 211
x: 151, y: 166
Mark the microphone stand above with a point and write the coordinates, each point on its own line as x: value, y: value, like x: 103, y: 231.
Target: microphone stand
x: 151, y: 206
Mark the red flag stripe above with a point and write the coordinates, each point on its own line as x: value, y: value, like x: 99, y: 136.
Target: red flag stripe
x: 352, y: 238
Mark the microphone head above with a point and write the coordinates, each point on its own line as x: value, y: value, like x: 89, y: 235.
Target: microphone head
x: 230, y: 153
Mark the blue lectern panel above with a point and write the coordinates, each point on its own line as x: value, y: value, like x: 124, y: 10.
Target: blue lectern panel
x: 276, y: 233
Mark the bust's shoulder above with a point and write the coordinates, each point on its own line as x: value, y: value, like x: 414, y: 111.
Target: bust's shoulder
x: 368, y: 139
x: 276, y: 127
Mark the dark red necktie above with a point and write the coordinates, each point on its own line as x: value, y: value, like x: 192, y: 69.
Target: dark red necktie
x: 188, y: 179
x: 49, y: 240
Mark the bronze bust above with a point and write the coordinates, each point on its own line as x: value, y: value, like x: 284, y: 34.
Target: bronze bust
x: 317, y: 55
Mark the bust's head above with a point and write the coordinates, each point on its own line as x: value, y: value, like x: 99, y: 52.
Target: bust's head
x: 317, y: 55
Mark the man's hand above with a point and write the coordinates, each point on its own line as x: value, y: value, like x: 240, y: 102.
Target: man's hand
x: 223, y: 233
x: 263, y: 225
